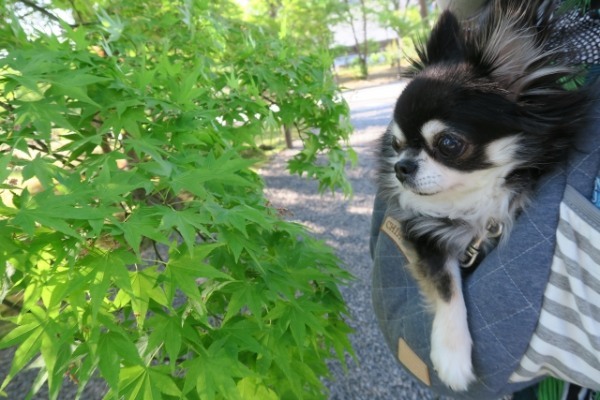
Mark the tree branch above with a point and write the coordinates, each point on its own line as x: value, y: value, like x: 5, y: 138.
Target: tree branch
x: 6, y: 106
x: 79, y: 16
x: 43, y: 147
x: 53, y: 17
x: 40, y: 9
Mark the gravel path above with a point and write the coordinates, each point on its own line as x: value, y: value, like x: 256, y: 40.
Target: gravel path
x: 343, y: 224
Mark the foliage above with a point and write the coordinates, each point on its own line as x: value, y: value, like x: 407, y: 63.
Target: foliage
x: 356, y: 14
x: 408, y: 21
x: 132, y: 224
x: 304, y: 21
x: 408, y: 24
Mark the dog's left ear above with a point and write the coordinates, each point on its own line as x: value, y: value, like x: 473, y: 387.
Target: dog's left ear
x: 445, y: 44
x: 512, y: 38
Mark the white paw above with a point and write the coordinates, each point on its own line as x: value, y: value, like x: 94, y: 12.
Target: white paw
x: 452, y: 362
x: 451, y: 346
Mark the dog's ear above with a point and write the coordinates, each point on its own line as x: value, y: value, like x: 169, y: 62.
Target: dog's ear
x: 446, y: 42
x: 512, y: 37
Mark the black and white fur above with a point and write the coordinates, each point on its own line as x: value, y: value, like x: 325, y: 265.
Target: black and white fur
x: 482, y: 118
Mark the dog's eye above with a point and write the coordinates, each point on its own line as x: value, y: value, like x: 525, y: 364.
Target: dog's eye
x: 396, y: 145
x: 450, y: 146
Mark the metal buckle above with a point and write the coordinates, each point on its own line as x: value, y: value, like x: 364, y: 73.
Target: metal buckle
x: 471, y: 255
x: 494, y: 230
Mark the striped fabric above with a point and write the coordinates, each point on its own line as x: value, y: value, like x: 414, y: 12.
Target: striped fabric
x: 566, y: 342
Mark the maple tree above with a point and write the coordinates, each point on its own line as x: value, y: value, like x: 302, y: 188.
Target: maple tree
x: 133, y: 226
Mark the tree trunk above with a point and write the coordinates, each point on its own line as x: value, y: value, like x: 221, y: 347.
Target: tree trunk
x: 361, y: 51
x: 365, y: 53
x: 288, y: 137
x: 423, y: 8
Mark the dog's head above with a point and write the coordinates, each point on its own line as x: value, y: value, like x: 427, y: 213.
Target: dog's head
x: 484, y: 100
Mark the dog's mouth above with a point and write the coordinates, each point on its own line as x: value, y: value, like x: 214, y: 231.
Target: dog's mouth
x: 418, y: 187
x: 422, y: 193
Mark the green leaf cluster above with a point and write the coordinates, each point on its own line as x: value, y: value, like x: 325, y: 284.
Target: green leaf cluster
x: 133, y: 227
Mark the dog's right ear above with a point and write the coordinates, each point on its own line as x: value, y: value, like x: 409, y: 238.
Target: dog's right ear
x: 445, y: 43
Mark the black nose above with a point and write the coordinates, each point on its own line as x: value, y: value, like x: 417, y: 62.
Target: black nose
x: 405, y: 168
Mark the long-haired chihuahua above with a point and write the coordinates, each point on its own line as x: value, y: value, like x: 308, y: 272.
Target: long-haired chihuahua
x: 485, y: 114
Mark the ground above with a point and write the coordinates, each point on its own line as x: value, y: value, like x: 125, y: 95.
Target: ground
x: 378, y: 75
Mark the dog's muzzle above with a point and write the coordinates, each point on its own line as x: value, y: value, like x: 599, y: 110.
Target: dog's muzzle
x: 405, y: 169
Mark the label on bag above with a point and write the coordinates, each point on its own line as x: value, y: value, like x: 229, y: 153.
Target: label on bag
x: 412, y: 362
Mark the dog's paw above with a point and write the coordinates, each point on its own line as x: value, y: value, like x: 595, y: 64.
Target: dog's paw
x: 453, y: 365
x: 451, y: 346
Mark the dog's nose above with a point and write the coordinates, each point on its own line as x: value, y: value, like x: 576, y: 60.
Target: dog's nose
x: 405, y: 168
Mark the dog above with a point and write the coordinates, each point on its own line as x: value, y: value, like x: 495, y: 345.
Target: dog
x: 484, y: 115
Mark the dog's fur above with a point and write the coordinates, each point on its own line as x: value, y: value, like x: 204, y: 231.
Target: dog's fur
x: 484, y: 115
